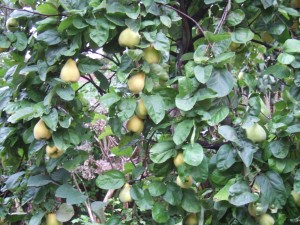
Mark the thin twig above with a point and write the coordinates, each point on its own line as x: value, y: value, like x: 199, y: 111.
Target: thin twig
x: 88, y: 207
x: 190, y: 18
x: 105, y: 56
x: 90, y: 79
x: 223, y: 18
x: 33, y: 12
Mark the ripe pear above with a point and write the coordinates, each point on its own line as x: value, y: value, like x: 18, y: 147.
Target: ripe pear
x: 136, y: 83
x: 295, y: 4
x: 129, y: 38
x: 70, y: 72
x: 191, y: 219
x: 135, y: 124
x: 151, y: 55
x: 296, y: 197
x: 124, y: 194
x: 12, y: 24
x: 54, y: 152
x: 178, y: 160
x: 51, y: 219
x: 254, y: 209
x: 141, y: 110
x: 186, y: 184
x: 266, y: 219
x: 40, y: 131
x: 256, y: 133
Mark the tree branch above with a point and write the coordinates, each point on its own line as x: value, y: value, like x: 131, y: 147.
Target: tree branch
x: 223, y: 18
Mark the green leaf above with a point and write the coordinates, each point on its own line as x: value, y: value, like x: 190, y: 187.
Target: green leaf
x: 278, y: 71
x: 21, y: 114
x: 112, y: 179
x: 242, y: 35
x: 155, y: 107
x: 225, y: 157
x: 39, y: 180
x: 65, y: 212
x: 6, y: 132
x: 190, y: 201
x: 109, y: 99
x: 173, y: 194
x: 163, y: 151
x: 215, y: 116
x: 47, y: 9
x: 296, y: 185
x: 193, y: 154
x: 145, y: 203
x: 36, y: 218
x: 235, y: 17
x: 126, y: 107
x: 182, y: 131
x: 50, y: 37
x: 65, y: 92
x: 51, y: 119
x: 221, y: 82
x: 268, y: 3
x: 72, y: 195
x: 239, y: 194
x: 291, y: 46
x: 160, y: 213
x: 272, y: 189
x: 228, y: 133
x: 279, y: 149
x: 100, y: 34
x: 97, y: 208
x: 157, y: 188
x: 185, y: 103
x: 223, y: 193
x: 21, y: 43
x: 246, y: 152
x: 166, y: 21
x: 203, y: 73
x: 223, y: 57
x: 207, y: 2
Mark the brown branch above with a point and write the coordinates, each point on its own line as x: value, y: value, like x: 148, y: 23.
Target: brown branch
x: 32, y: 12
x: 223, y: 18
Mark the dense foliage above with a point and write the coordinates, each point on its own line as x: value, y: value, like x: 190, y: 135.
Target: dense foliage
x: 202, y: 97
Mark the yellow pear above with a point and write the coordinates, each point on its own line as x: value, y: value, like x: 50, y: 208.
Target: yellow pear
x: 254, y: 209
x: 129, y: 38
x: 12, y: 24
x: 70, y: 72
x: 136, y: 83
x: 178, y: 160
x: 54, y: 152
x: 51, y: 219
x: 266, y: 219
x: 256, y: 133
x: 295, y: 4
x: 40, y: 131
x: 151, y: 55
x: 186, y: 184
x: 141, y: 110
x: 296, y: 197
x: 191, y: 219
x: 135, y: 124
x: 124, y: 194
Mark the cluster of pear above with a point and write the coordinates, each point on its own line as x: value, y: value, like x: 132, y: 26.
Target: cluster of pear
x: 136, y: 82
x: 69, y: 73
x: 178, y: 161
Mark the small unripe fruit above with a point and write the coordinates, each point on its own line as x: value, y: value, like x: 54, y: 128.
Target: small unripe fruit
x: 12, y: 24
x: 296, y: 197
x: 178, y: 160
x: 70, y: 72
x: 54, y: 152
x: 185, y: 184
x: 266, y: 219
x: 129, y: 38
x: 40, y: 131
x: 151, y: 55
x: 135, y: 124
x: 136, y: 83
x: 191, y: 219
x: 256, y: 133
x: 124, y: 194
